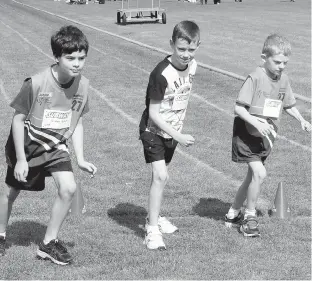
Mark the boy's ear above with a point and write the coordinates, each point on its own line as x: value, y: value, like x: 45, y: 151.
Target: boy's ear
x: 171, y: 43
x: 263, y: 57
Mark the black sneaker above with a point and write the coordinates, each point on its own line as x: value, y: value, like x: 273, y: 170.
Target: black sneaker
x: 235, y: 222
x: 249, y: 227
x: 56, y: 251
x: 2, y: 246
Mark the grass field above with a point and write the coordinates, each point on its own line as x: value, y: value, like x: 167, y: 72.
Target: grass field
x: 107, y: 240
x: 232, y: 33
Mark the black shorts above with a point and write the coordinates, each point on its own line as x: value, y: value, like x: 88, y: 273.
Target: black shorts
x: 157, y: 148
x: 246, y: 147
x: 36, y: 176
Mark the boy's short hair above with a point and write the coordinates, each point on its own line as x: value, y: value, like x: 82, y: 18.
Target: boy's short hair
x: 67, y: 40
x: 187, y: 30
x: 276, y: 44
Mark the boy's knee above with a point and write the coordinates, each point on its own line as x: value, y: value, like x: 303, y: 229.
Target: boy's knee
x: 260, y: 174
x: 8, y: 194
x: 67, y: 191
x: 162, y: 176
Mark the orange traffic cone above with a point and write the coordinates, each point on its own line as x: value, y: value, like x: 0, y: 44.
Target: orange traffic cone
x: 78, y: 207
x: 280, y: 208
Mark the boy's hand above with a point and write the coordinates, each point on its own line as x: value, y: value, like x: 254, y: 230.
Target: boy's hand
x: 186, y: 140
x: 264, y: 127
x: 21, y: 170
x: 306, y: 126
x: 87, y: 167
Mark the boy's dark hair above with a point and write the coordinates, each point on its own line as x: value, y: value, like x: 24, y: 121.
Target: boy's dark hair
x: 187, y: 30
x: 67, y: 40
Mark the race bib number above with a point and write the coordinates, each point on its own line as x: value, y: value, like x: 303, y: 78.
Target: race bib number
x: 56, y: 119
x: 180, y: 102
x: 272, y: 108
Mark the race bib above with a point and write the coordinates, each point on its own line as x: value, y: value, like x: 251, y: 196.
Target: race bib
x: 56, y: 119
x: 272, y: 108
x: 180, y: 101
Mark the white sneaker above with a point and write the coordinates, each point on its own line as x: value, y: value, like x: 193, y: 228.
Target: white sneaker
x: 166, y: 226
x: 153, y: 239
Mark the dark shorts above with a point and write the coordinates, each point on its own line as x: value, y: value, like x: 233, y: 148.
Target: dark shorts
x: 157, y: 148
x: 36, y: 176
x: 246, y: 147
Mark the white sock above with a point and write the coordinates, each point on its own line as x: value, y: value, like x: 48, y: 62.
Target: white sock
x: 152, y: 228
x: 3, y: 234
x: 232, y: 213
x: 47, y: 242
x: 249, y: 212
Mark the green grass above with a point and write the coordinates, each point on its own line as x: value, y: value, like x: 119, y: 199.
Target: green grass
x: 232, y: 34
x: 107, y: 240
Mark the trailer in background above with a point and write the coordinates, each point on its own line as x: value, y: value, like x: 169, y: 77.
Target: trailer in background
x: 131, y: 12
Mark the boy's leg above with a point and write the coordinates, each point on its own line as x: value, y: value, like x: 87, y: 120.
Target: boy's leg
x: 159, y: 152
x: 153, y: 238
x: 159, y: 179
x: 258, y: 174
x: 234, y: 216
x: 51, y: 247
x: 241, y: 193
x: 7, y: 198
x: 66, y: 185
x: 249, y: 227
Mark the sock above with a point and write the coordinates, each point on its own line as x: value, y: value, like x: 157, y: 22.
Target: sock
x: 152, y: 228
x: 232, y: 213
x: 45, y: 242
x: 249, y: 212
x: 3, y: 234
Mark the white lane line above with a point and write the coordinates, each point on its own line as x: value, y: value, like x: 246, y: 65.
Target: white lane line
x: 304, y: 147
x: 203, y: 65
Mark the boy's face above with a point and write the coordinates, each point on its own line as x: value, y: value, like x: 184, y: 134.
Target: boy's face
x: 183, y: 52
x: 274, y: 65
x: 70, y: 65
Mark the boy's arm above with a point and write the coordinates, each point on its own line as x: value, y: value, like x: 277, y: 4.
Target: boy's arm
x: 263, y: 127
x: 18, y: 135
x: 21, y: 166
x: 77, y: 139
x: 244, y: 100
x: 154, y: 108
x: 293, y: 111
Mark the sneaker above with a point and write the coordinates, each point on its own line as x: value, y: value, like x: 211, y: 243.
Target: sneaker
x: 164, y: 225
x: 153, y: 240
x: 56, y: 251
x: 235, y: 222
x: 2, y: 246
x: 249, y: 227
